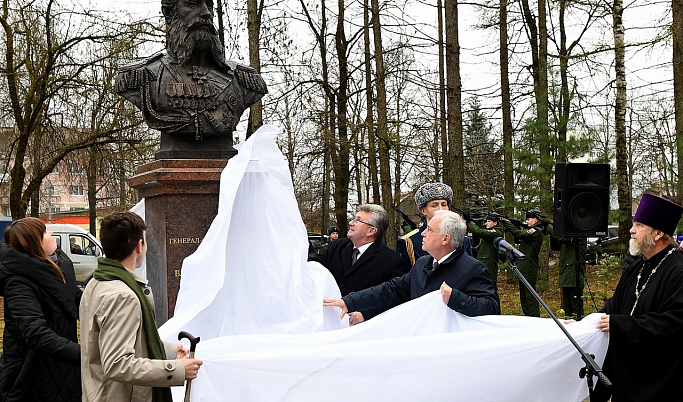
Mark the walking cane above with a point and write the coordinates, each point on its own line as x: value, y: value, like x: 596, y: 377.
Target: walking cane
x: 193, y: 344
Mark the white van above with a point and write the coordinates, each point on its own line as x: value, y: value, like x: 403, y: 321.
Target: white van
x: 79, y: 245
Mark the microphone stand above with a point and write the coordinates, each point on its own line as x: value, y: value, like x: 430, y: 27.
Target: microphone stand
x: 591, y: 369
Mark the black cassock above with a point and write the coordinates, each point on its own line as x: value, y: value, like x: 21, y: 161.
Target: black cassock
x: 645, y: 355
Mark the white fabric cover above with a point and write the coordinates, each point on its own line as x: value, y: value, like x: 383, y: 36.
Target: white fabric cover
x: 249, y: 275
x: 419, y: 351
x: 250, y: 295
x: 139, y: 209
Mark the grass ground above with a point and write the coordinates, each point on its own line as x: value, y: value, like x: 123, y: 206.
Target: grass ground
x: 602, y: 280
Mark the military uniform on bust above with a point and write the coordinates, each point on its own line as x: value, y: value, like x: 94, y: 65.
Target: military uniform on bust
x: 190, y: 92
x: 196, y: 101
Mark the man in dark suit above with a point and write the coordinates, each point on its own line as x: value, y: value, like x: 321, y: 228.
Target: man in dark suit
x: 464, y: 282
x: 361, y: 260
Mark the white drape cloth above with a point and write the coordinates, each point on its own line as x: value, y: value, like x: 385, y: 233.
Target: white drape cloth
x: 249, y: 275
x: 256, y: 303
x: 139, y: 209
x: 419, y: 351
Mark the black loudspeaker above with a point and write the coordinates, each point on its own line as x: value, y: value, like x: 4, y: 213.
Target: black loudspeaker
x: 581, y: 205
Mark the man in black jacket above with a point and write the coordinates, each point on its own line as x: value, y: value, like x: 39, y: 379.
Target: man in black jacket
x: 361, y: 260
x: 465, y: 284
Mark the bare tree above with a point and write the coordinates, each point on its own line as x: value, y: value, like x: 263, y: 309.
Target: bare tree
x: 382, y: 125
x: 454, y: 165
x: 45, y: 55
x: 254, y: 13
x: 623, y: 185
x: 369, y: 96
x: 677, y: 33
x: 508, y: 172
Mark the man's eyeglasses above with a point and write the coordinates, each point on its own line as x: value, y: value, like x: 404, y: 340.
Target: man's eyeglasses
x: 356, y: 220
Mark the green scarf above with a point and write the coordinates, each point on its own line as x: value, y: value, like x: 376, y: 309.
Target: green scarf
x: 110, y: 270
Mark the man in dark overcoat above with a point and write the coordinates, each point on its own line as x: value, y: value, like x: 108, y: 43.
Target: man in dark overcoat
x: 374, y: 262
x: 464, y: 282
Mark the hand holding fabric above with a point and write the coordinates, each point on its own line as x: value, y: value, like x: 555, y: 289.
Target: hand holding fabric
x: 336, y: 303
x: 603, y: 325
x: 446, y: 292
x: 191, y: 367
x: 356, y: 318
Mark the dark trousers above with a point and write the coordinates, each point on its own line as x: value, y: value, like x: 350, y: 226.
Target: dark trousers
x: 571, y: 299
x: 530, y: 306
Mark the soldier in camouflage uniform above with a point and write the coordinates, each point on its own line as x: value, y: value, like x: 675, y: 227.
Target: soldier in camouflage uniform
x: 530, y: 241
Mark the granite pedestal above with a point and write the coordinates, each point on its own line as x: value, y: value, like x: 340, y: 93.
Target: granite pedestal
x: 181, y: 201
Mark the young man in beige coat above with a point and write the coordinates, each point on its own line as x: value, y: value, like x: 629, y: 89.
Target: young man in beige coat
x: 122, y: 357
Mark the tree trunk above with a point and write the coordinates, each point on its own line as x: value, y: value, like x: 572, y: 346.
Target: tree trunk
x: 91, y: 179
x: 508, y: 190
x: 564, y: 107
x: 622, y: 174
x: 455, y: 176
x: 391, y: 240
x: 254, y: 12
x: 538, y: 40
x: 369, y: 118
x: 221, y: 28
x: 445, y: 161
x: 340, y: 158
x: 382, y: 126
x: 542, y: 111
x: 329, y: 121
x: 677, y: 32
x: 547, y: 164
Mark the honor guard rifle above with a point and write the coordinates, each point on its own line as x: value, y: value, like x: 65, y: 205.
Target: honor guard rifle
x: 406, y: 219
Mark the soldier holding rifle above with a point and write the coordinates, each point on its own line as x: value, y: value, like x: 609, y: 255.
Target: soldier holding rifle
x: 530, y: 241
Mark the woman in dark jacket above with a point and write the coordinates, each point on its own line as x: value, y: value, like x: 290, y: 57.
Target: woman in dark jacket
x: 41, y: 354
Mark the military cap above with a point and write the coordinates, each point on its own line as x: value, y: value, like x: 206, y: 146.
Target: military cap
x: 332, y: 229
x: 493, y: 217
x: 433, y: 191
x: 534, y: 213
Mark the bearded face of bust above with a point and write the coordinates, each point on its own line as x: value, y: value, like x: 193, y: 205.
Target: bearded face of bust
x: 191, y: 35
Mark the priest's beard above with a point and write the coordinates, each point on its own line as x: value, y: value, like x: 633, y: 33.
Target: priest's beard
x: 643, y: 246
x: 186, y: 37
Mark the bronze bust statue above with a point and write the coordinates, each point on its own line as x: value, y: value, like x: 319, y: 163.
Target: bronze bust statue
x: 190, y: 92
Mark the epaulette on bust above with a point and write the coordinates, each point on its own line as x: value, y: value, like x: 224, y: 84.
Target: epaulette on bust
x: 249, y: 78
x: 409, y: 234
x: 135, y: 75
x: 141, y: 63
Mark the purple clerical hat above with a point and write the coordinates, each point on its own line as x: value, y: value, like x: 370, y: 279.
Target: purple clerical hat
x: 658, y: 213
